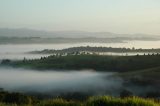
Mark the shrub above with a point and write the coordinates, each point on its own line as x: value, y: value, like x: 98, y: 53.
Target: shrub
x: 58, y: 102
x: 110, y: 101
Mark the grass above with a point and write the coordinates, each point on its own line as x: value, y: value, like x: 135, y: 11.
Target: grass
x: 151, y: 74
x: 110, y: 101
x: 96, y: 101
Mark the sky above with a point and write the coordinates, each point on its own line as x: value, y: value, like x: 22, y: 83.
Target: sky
x: 117, y: 16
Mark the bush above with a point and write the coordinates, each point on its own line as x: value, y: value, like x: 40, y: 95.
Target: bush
x: 110, y: 101
x: 58, y: 102
x: 14, y: 98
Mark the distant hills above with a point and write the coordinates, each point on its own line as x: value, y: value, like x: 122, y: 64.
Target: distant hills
x: 8, y: 32
x: 27, y: 36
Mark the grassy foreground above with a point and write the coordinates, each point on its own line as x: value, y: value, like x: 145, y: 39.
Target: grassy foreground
x: 95, y: 101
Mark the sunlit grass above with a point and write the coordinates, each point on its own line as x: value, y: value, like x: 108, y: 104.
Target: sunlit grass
x: 110, y: 101
x: 95, y: 101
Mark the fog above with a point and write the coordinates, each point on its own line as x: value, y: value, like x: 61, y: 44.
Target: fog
x: 26, y: 80
x: 16, y: 52
x: 55, y: 82
x: 21, y: 48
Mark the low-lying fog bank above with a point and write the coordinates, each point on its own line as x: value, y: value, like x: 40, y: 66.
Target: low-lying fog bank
x: 21, y: 56
x: 58, y: 82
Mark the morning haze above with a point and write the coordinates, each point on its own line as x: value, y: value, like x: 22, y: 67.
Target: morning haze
x: 117, y: 16
x: 79, y: 53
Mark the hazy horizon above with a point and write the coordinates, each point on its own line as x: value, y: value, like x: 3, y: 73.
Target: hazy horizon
x: 74, y: 31
x: 116, y: 16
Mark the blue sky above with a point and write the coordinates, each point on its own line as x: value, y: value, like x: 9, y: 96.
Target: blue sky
x: 119, y: 16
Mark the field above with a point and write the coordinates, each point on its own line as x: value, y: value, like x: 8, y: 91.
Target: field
x: 92, y: 101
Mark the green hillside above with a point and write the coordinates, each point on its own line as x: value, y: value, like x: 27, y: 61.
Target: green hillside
x: 95, y: 62
x: 145, y: 77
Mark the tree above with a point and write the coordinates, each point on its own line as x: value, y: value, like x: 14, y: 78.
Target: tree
x: 5, y: 61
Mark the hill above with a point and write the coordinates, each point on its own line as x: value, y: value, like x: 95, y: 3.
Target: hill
x: 95, y: 62
x: 97, y: 50
x: 143, y: 77
x: 24, y: 32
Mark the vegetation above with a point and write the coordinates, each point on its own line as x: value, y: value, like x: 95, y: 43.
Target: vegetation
x: 98, y: 49
x: 15, y: 98
x: 96, y: 62
x: 138, y: 69
x: 21, y: 100
x: 148, y: 74
x: 110, y: 101
x: 143, y: 77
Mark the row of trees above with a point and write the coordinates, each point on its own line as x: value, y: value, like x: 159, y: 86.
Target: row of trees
x: 99, y: 49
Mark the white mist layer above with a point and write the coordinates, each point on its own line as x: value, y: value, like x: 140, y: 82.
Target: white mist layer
x: 61, y: 81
